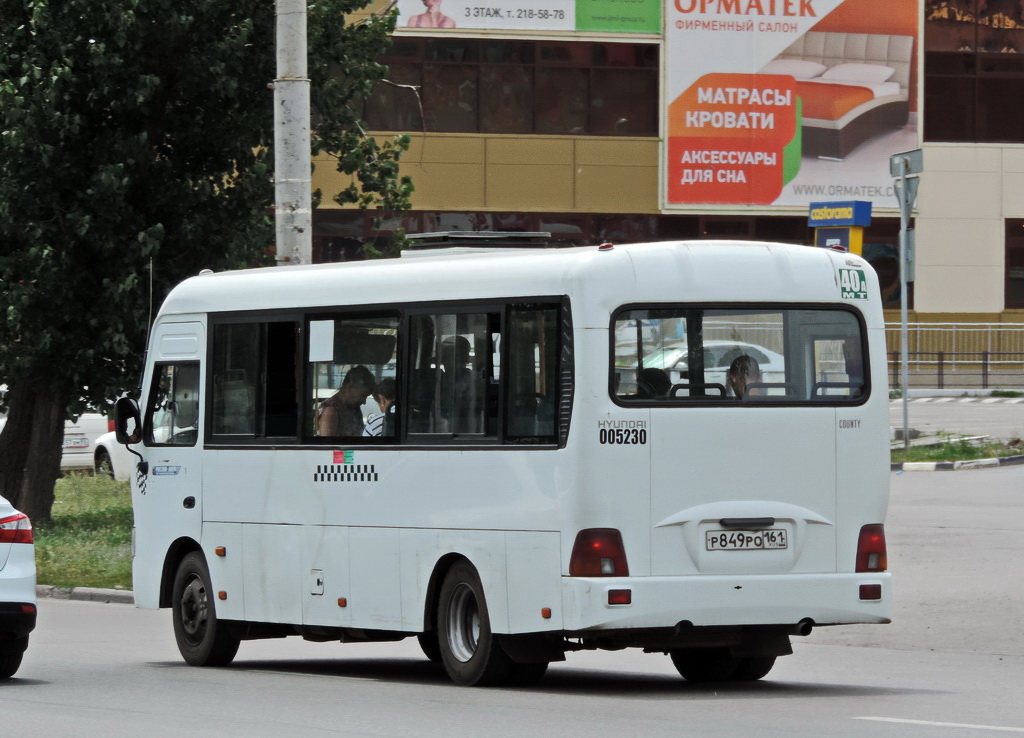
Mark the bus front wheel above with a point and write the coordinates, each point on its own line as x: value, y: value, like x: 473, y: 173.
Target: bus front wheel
x: 469, y: 651
x: 202, y: 639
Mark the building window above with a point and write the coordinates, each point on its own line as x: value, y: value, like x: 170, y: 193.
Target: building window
x: 1014, y: 264
x: 339, y: 235
x: 974, y: 71
x: 500, y: 86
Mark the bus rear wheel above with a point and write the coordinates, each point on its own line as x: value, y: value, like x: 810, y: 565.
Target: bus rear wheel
x: 9, y: 663
x: 202, y: 639
x: 469, y: 651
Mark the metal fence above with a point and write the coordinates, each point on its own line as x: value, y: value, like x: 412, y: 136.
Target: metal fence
x: 959, y: 355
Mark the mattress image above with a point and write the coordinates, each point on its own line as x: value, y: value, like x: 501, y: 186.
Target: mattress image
x: 852, y: 85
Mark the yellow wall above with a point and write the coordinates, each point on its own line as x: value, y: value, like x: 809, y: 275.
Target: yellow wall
x: 497, y: 173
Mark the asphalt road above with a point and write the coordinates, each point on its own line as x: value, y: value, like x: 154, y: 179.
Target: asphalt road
x: 1001, y: 418
x: 951, y: 663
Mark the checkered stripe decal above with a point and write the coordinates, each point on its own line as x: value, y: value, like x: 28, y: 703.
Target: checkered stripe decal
x: 345, y: 473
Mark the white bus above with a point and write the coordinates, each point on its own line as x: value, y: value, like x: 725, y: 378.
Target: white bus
x: 534, y: 491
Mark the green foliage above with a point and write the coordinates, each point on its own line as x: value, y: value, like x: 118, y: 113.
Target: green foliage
x: 87, y: 543
x: 137, y: 135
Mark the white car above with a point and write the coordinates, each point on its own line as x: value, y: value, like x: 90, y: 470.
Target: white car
x: 17, y: 587
x: 79, y: 440
x: 112, y: 458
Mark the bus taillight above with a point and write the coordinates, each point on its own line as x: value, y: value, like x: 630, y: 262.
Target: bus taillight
x: 871, y: 548
x: 598, y: 552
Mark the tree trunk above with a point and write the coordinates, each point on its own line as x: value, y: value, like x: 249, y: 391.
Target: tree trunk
x: 30, y: 448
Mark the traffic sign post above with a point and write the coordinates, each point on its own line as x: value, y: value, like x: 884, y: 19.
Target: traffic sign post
x: 905, y: 168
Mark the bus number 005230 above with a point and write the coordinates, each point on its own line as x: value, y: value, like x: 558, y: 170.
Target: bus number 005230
x: 624, y: 436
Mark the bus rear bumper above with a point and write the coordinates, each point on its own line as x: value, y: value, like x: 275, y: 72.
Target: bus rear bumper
x: 782, y: 600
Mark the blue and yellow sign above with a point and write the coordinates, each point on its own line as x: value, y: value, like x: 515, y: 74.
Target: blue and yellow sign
x: 840, y: 225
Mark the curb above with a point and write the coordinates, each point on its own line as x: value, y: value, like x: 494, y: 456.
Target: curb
x: 86, y: 594
x: 907, y: 466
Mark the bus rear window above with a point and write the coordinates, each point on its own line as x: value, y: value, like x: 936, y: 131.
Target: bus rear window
x: 729, y: 355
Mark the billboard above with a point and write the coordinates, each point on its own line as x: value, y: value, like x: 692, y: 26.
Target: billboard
x: 779, y: 103
x: 606, y: 16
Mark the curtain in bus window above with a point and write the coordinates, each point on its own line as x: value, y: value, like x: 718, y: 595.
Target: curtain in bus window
x: 172, y: 417
x: 532, y: 381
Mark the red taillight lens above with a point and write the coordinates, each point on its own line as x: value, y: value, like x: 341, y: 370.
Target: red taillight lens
x: 620, y: 597
x: 871, y: 548
x: 16, y: 529
x: 598, y: 552
x: 110, y: 425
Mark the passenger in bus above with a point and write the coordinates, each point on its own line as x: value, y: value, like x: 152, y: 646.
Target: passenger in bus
x: 462, y: 388
x: 383, y: 424
x: 653, y: 382
x: 743, y: 372
x: 341, y: 413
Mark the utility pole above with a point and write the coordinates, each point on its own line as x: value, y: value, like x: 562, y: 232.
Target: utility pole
x: 293, y: 214
x: 905, y: 169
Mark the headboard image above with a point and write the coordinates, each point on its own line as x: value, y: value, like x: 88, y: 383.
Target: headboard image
x: 867, y: 48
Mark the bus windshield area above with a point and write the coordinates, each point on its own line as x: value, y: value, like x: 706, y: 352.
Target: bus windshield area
x: 725, y: 355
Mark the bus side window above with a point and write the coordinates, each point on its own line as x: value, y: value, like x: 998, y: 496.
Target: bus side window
x: 348, y: 356
x: 172, y: 415
x: 533, y: 374
x: 253, y: 379
x: 452, y: 374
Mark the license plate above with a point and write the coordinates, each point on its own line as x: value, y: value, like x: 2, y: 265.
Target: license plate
x: 746, y: 540
x: 76, y: 442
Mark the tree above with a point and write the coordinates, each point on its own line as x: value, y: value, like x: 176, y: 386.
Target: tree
x: 135, y: 150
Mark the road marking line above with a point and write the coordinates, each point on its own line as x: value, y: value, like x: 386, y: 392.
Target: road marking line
x: 943, y: 725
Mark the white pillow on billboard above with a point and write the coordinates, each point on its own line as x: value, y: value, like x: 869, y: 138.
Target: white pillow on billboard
x: 798, y: 68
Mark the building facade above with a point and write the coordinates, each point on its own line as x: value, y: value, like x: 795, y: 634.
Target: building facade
x: 630, y: 120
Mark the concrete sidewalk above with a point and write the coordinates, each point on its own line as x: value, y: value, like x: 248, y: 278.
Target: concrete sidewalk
x: 88, y: 594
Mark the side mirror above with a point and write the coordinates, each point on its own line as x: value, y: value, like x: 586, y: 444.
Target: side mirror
x: 127, y: 421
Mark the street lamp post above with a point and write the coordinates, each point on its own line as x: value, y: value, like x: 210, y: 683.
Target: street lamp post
x: 293, y: 214
x: 905, y: 168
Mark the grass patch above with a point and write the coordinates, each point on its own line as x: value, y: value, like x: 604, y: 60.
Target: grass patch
x: 1006, y: 393
x: 87, y: 543
x: 959, y: 450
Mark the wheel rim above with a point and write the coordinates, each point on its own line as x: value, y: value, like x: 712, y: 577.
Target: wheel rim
x: 193, y: 610
x: 103, y: 465
x: 463, y: 623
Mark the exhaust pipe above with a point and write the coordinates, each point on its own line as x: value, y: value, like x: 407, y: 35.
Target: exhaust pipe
x: 803, y: 628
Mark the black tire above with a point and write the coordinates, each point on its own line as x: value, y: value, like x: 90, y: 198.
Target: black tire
x: 469, y: 651
x: 751, y: 669
x: 9, y: 663
x: 104, y: 467
x: 431, y: 648
x: 705, y: 664
x: 202, y: 639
